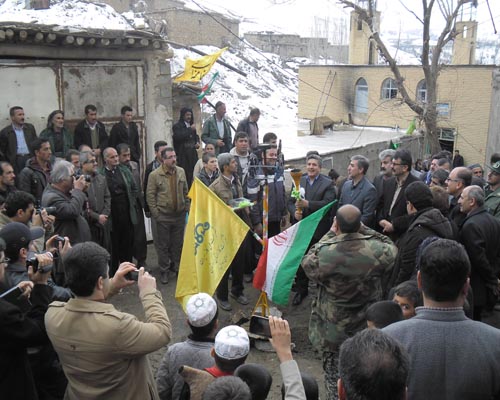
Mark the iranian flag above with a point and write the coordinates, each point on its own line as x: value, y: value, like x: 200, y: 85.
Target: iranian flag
x: 282, y: 255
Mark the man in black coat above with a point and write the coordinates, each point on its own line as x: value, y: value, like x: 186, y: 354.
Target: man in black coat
x: 458, y: 160
x: 10, y: 150
x: 19, y: 331
x: 91, y: 132
x: 479, y: 234
x: 392, y: 213
x: 425, y: 221
x: 126, y: 131
x: 250, y: 127
x: 186, y: 143
x: 318, y: 191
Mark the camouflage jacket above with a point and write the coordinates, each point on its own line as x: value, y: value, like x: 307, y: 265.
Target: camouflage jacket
x: 351, y: 271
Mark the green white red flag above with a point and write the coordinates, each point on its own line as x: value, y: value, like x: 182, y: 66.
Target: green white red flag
x: 281, y: 257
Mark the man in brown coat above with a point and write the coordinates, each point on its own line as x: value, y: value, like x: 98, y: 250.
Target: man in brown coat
x: 104, y: 351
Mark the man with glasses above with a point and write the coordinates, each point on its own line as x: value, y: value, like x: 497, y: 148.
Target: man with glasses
x: 492, y: 200
x: 168, y: 202
x: 123, y: 192
x: 98, y: 205
x: 392, y: 205
x: 67, y: 195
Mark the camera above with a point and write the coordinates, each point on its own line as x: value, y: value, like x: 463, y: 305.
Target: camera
x: 79, y: 173
x: 260, y: 326
x: 33, y: 262
x: 48, y: 210
x: 59, y: 239
x: 132, y: 275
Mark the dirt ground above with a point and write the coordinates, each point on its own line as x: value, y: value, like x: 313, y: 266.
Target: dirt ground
x: 298, y: 317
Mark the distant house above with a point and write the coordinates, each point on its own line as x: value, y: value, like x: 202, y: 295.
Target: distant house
x: 45, y: 68
x: 365, y: 93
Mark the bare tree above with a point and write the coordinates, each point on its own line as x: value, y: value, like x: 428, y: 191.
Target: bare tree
x: 449, y: 9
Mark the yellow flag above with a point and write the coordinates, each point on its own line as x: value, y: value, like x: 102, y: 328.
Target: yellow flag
x: 213, y: 235
x: 197, y: 69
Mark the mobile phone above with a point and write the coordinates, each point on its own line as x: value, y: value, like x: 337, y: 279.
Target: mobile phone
x: 132, y: 275
x: 260, y: 326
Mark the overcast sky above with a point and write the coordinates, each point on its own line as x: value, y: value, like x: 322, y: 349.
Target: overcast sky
x: 302, y: 16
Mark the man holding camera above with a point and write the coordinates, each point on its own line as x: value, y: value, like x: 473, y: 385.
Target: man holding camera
x: 19, y: 330
x: 66, y: 194
x: 104, y: 351
x: 18, y: 239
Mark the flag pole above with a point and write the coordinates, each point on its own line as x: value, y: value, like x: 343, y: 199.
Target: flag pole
x: 262, y: 300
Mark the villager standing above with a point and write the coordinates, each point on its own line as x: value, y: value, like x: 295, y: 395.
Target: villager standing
x: 35, y: 177
x: 91, y: 132
x: 59, y: 137
x: 250, y: 127
x: 126, y: 131
x: 16, y: 138
x: 186, y: 143
x: 217, y: 130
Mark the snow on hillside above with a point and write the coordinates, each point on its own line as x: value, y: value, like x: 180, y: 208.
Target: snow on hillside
x: 65, y: 13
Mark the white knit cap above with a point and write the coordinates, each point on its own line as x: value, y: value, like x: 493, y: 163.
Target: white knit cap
x: 232, y: 342
x: 201, y: 309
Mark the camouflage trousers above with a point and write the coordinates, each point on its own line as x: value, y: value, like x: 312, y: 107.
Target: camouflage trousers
x: 331, y: 370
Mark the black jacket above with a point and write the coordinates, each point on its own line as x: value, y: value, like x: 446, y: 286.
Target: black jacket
x: 8, y: 142
x: 479, y: 234
x: 207, y: 180
x: 185, y: 140
x: 17, y: 333
x: 399, y: 216
x: 33, y: 179
x: 425, y: 223
x: 319, y: 195
x: 82, y: 135
x: 119, y: 134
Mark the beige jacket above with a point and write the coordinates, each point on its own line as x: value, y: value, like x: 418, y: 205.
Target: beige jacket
x: 104, y: 351
x: 159, y: 196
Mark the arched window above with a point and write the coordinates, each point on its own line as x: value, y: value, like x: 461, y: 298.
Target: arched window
x: 361, y: 99
x: 389, y: 89
x: 422, y: 91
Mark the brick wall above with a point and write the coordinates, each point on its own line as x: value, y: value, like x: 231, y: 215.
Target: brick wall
x: 467, y: 90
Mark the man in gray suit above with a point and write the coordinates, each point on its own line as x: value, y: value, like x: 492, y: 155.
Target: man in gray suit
x: 98, y: 207
x: 359, y: 191
x: 451, y: 356
x: 318, y: 190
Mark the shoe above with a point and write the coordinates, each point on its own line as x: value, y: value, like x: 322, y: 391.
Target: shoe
x: 248, y: 278
x: 298, y: 298
x: 164, y: 277
x: 240, y: 298
x: 224, y: 304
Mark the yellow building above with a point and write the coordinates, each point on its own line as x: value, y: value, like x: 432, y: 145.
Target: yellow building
x: 467, y: 96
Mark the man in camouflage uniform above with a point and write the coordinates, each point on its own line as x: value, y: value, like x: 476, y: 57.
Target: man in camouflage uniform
x: 351, y: 264
x: 492, y: 190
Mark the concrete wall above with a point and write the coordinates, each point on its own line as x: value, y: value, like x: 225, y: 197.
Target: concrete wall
x: 339, y: 160
x: 466, y: 89
x: 195, y: 28
x: 493, y: 145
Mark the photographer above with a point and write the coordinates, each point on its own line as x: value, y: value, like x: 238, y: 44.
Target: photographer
x: 20, y: 207
x: 18, y: 238
x: 18, y: 331
x: 66, y: 194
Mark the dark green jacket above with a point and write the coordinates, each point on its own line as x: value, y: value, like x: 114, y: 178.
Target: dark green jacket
x: 67, y: 141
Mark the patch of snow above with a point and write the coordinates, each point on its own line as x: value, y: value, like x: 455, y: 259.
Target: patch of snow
x: 65, y: 14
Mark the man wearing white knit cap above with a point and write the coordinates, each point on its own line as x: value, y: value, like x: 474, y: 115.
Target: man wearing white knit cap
x: 230, y: 350
x: 195, y: 352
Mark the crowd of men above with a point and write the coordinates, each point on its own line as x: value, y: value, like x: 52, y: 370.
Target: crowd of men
x: 72, y: 223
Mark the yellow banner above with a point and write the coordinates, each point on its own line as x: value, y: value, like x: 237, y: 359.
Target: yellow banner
x: 197, y: 69
x: 213, y: 235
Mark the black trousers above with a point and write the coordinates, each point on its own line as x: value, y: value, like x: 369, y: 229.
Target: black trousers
x: 237, y: 269
x: 122, y: 235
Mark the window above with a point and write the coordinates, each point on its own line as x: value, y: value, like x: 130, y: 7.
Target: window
x: 361, y: 98
x: 389, y: 89
x: 360, y: 24
x: 422, y: 91
x: 443, y: 109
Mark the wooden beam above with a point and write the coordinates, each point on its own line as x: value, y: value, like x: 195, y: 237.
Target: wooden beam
x: 9, y: 34
x: 80, y: 41
x: 156, y: 44
x: 118, y: 42
x: 69, y: 39
x: 104, y: 42
x: 23, y: 35
x: 144, y: 42
x: 39, y: 37
x: 2, y: 35
x: 51, y: 37
x: 130, y: 41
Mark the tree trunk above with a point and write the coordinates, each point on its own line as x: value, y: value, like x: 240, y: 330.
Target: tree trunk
x: 432, y: 133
